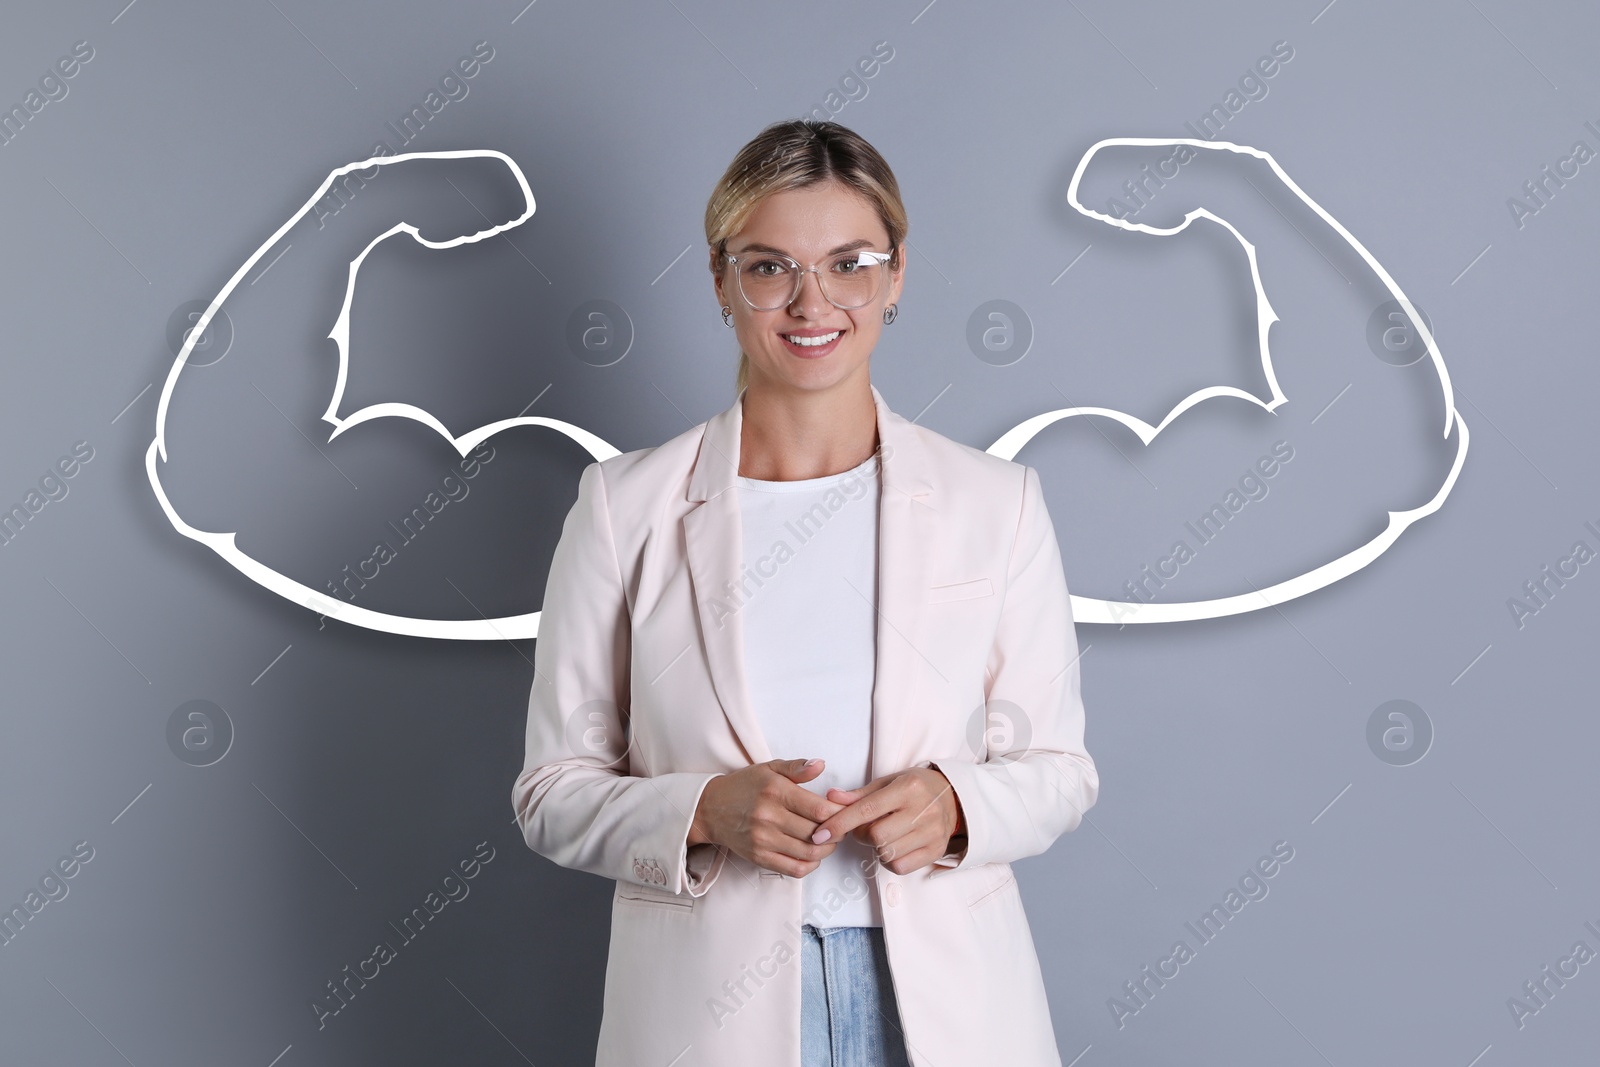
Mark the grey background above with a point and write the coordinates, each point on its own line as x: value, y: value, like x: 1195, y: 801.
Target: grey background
x: 363, y: 766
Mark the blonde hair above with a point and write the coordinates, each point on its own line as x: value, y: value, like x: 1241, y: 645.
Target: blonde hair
x: 794, y: 154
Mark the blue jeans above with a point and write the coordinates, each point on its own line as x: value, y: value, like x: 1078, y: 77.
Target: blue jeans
x: 848, y: 1014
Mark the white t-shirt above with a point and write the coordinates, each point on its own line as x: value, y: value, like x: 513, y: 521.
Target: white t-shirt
x: 808, y: 608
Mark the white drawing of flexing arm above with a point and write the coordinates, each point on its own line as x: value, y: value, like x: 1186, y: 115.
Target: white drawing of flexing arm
x: 224, y: 543
x: 1117, y: 612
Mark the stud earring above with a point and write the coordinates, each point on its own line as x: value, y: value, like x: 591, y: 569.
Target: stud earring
x: 890, y: 313
x: 726, y: 311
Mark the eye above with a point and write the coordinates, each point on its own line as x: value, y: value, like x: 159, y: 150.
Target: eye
x: 768, y: 268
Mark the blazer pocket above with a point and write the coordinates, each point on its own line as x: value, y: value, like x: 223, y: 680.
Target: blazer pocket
x: 939, y: 594
x: 644, y: 896
x: 997, y: 876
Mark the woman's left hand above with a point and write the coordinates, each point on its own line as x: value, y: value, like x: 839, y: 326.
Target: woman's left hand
x: 908, y: 817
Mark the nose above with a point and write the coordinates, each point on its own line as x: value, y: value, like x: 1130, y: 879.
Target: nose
x: 810, y: 302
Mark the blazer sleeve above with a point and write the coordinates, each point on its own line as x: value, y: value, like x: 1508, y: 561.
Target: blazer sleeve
x: 1019, y: 800
x: 575, y: 801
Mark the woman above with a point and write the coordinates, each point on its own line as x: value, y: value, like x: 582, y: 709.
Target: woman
x: 806, y: 679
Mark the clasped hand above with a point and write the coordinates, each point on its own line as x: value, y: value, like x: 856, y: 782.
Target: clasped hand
x: 764, y: 814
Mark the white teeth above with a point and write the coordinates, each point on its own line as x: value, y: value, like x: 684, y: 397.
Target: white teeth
x: 812, y: 342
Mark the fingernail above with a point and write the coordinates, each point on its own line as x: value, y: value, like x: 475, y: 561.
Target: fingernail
x: 812, y: 762
x: 821, y: 836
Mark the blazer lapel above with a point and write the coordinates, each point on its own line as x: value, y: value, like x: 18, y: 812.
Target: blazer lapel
x: 712, y: 535
x: 907, y: 521
x: 713, y: 539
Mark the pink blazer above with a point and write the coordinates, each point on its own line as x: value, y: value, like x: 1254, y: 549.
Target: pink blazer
x: 639, y: 698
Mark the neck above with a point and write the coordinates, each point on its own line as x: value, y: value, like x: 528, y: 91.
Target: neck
x: 789, y: 435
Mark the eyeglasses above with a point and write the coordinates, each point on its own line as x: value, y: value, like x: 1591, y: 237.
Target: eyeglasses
x: 769, y: 281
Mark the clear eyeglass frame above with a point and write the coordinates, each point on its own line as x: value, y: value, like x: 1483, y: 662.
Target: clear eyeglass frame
x: 880, y: 258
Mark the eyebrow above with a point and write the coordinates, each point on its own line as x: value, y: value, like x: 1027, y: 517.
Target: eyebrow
x: 861, y: 243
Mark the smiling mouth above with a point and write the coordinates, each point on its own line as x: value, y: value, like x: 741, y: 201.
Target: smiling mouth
x: 812, y: 341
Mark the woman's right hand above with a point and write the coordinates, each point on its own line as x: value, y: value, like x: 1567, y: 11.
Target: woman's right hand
x: 762, y: 813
